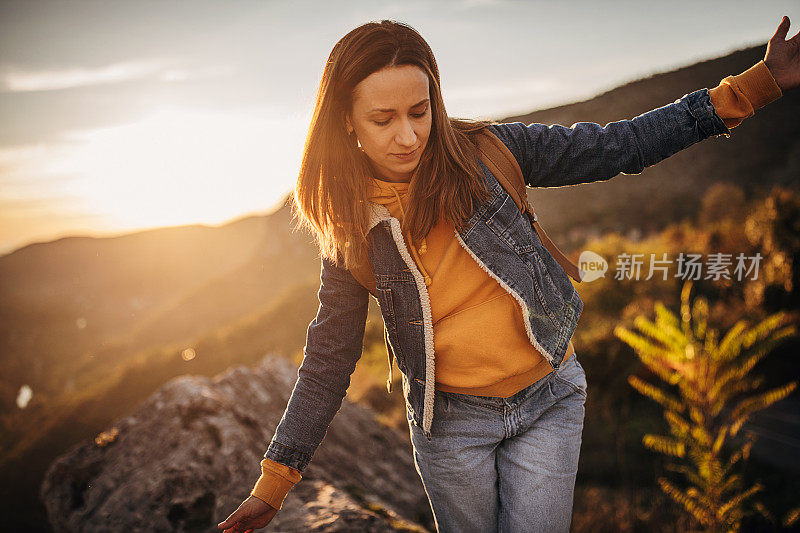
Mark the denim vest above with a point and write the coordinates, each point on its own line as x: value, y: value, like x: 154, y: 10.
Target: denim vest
x: 502, y: 241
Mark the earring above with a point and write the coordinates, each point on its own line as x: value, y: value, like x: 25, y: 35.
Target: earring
x: 352, y: 133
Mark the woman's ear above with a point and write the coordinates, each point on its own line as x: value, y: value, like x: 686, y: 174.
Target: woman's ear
x: 347, y: 125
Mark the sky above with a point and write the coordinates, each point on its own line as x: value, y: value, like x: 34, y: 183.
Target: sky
x: 128, y: 115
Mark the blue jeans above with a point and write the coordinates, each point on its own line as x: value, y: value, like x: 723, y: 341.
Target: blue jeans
x: 504, y: 464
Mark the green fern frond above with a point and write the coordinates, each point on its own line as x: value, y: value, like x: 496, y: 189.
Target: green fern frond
x: 690, y: 474
x: 760, y: 401
x: 679, y: 426
x: 736, y: 425
x: 710, y: 345
x: 701, y: 436
x: 720, y: 440
x: 635, y: 341
x: 661, y: 334
x: 691, y: 505
x: 763, y: 348
x: 731, y: 342
x: 761, y: 330
x: 696, y: 416
x: 664, y: 445
x: 665, y: 332
x: 716, y: 406
x: 666, y: 317
x: 656, y: 366
x: 791, y: 517
x: 691, y: 393
x: 715, y: 470
x: 704, y: 466
x: 686, y: 312
x: 697, y: 458
x: 744, y: 384
x: 700, y: 317
x: 732, y: 482
x: 763, y: 511
x: 694, y: 492
x: 738, y: 499
x: 740, y: 454
x: 655, y: 394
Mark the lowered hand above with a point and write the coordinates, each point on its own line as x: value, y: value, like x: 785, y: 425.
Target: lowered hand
x: 253, y: 513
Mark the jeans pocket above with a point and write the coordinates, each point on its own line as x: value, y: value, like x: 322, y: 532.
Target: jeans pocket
x: 572, y: 375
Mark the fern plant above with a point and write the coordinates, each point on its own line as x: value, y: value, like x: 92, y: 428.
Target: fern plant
x: 715, y: 396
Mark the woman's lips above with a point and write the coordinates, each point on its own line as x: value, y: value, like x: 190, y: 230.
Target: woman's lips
x: 406, y: 157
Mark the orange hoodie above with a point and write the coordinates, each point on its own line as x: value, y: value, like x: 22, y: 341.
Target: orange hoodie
x: 467, y: 359
x: 464, y: 298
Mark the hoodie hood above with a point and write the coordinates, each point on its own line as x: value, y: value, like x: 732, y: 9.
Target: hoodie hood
x: 394, y: 196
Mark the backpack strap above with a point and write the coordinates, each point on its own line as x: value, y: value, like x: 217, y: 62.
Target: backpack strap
x: 503, y: 165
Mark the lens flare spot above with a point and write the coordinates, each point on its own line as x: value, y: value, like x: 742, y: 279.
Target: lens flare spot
x: 24, y: 396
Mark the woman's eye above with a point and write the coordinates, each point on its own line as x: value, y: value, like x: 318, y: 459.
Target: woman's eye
x: 385, y: 122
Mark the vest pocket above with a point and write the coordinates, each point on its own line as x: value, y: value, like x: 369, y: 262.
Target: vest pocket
x: 512, y: 226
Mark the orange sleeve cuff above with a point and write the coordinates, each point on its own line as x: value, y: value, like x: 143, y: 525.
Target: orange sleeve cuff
x: 737, y: 97
x: 275, y: 482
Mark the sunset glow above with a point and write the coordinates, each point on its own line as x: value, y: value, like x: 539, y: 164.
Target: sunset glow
x: 182, y: 116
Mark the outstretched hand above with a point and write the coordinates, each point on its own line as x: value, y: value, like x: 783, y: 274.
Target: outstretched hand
x: 783, y: 57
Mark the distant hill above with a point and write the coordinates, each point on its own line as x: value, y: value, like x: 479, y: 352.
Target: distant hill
x: 762, y: 151
x: 79, y: 302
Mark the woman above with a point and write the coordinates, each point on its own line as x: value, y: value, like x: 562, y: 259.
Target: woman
x: 388, y: 180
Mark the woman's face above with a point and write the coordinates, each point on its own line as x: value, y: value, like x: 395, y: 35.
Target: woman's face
x: 391, y: 117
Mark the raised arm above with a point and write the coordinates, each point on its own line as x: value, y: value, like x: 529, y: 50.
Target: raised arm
x: 555, y: 156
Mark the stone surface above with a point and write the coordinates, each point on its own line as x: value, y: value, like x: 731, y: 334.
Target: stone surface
x: 189, y: 455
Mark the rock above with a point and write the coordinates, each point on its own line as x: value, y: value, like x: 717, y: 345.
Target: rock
x: 187, y: 457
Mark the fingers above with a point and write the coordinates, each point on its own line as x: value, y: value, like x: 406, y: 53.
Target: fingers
x: 230, y: 523
x: 783, y: 29
x: 246, y: 518
x: 237, y: 527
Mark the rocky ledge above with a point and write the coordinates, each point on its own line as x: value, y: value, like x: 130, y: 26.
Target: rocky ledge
x: 188, y: 456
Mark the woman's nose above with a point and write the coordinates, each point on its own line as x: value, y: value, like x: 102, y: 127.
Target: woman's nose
x: 406, y: 135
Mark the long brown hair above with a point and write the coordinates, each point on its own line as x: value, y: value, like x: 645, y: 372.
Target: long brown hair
x: 331, y: 192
